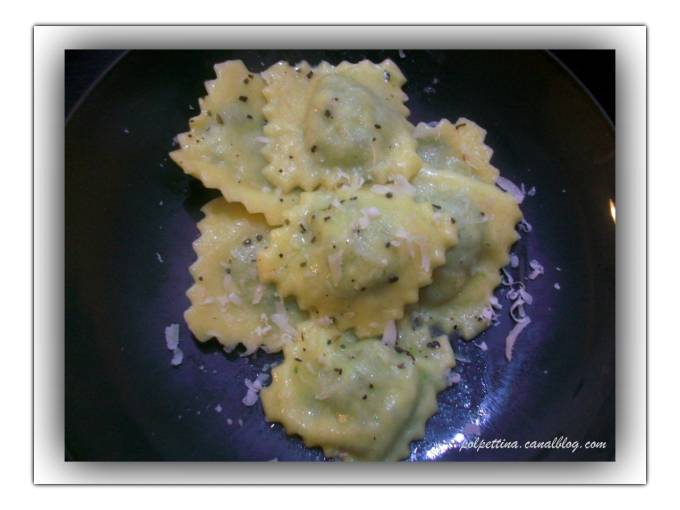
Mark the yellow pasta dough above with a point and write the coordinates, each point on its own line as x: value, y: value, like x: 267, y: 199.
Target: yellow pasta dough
x: 358, y: 257
x: 228, y: 302
x: 486, y: 217
x: 224, y: 145
x: 357, y: 399
x: 330, y: 125
x: 346, y: 237
x: 457, y: 147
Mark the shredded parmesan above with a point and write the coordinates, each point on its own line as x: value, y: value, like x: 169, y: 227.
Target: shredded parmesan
x: 510, y: 187
x: 514, y: 260
x: 254, y: 388
x: 389, y: 337
x: 371, y: 212
x: 257, y: 294
x: 524, y: 226
x: 335, y: 266
x: 398, y: 186
x: 537, y: 269
x: 280, y: 319
x: 512, y: 336
x: 324, y: 320
x: 172, y: 336
x: 262, y: 139
x: 453, y: 378
x: 177, y: 357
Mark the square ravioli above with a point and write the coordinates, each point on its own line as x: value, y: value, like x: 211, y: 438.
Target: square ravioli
x: 457, y: 147
x: 223, y: 148
x: 356, y: 257
x: 228, y: 302
x: 331, y: 125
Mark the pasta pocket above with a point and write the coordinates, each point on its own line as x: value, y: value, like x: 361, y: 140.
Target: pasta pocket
x: 461, y: 291
x: 457, y: 147
x: 356, y: 258
x: 329, y: 125
x: 223, y: 148
x: 356, y: 399
x: 228, y: 302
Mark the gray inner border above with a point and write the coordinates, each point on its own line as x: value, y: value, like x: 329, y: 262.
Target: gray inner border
x: 49, y: 43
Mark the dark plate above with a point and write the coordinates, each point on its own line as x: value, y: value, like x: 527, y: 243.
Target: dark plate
x: 126, y: 202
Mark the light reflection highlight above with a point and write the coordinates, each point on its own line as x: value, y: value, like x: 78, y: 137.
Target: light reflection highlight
x: 612, y: 209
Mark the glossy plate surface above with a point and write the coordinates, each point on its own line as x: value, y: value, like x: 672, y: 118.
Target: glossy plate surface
x: 128, y: 206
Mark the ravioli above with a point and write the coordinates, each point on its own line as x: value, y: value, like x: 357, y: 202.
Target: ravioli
x: 457, y: 147
x: 486, y: 217
x: 329, y: 126
x: 223, y: 148
x: 357, y: 258
x: 356, y: 399
x: 228, y: 302
x: 347, y: 238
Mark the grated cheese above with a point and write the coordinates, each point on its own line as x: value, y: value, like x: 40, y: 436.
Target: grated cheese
x: 512, y: 336
x: 389, y: 337
x: 510, y: 187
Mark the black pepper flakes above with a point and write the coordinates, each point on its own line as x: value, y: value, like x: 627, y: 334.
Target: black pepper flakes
x: 258, y: 237
x: 387, y: 76
x: 310, y: 74
x: 280, y: 255
x: 200, y: 278
x: 298, y: 360
x: 393, y: 279
x: 453, y: 220
x: 302, y: 228
x: 246, y: 81
x: 388, y: 244
x: 328, y: 114
x: 364, y: 397
x: 338, y: 370
x: 303, y: 264
x: 249, y: 116
x: 247, y: 242
x: 326, y: 218
x: 243, y: 99
x: 436, y: 207
x: 460, y: 125
x: 354, y: 198
x: 401, y: 365
x: 434, y: 344
x: 228, y: 270
x: 313, y: 149
x: 377, y: 126
x: 219, y: 119
x: 389, y: 194
x: 370, y: 385
x: 362, y: 289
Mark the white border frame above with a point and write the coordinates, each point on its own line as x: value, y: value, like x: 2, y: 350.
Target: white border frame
x: 630, y: 44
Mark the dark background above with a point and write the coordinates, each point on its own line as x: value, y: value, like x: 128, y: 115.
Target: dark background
x: 593, y: 68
